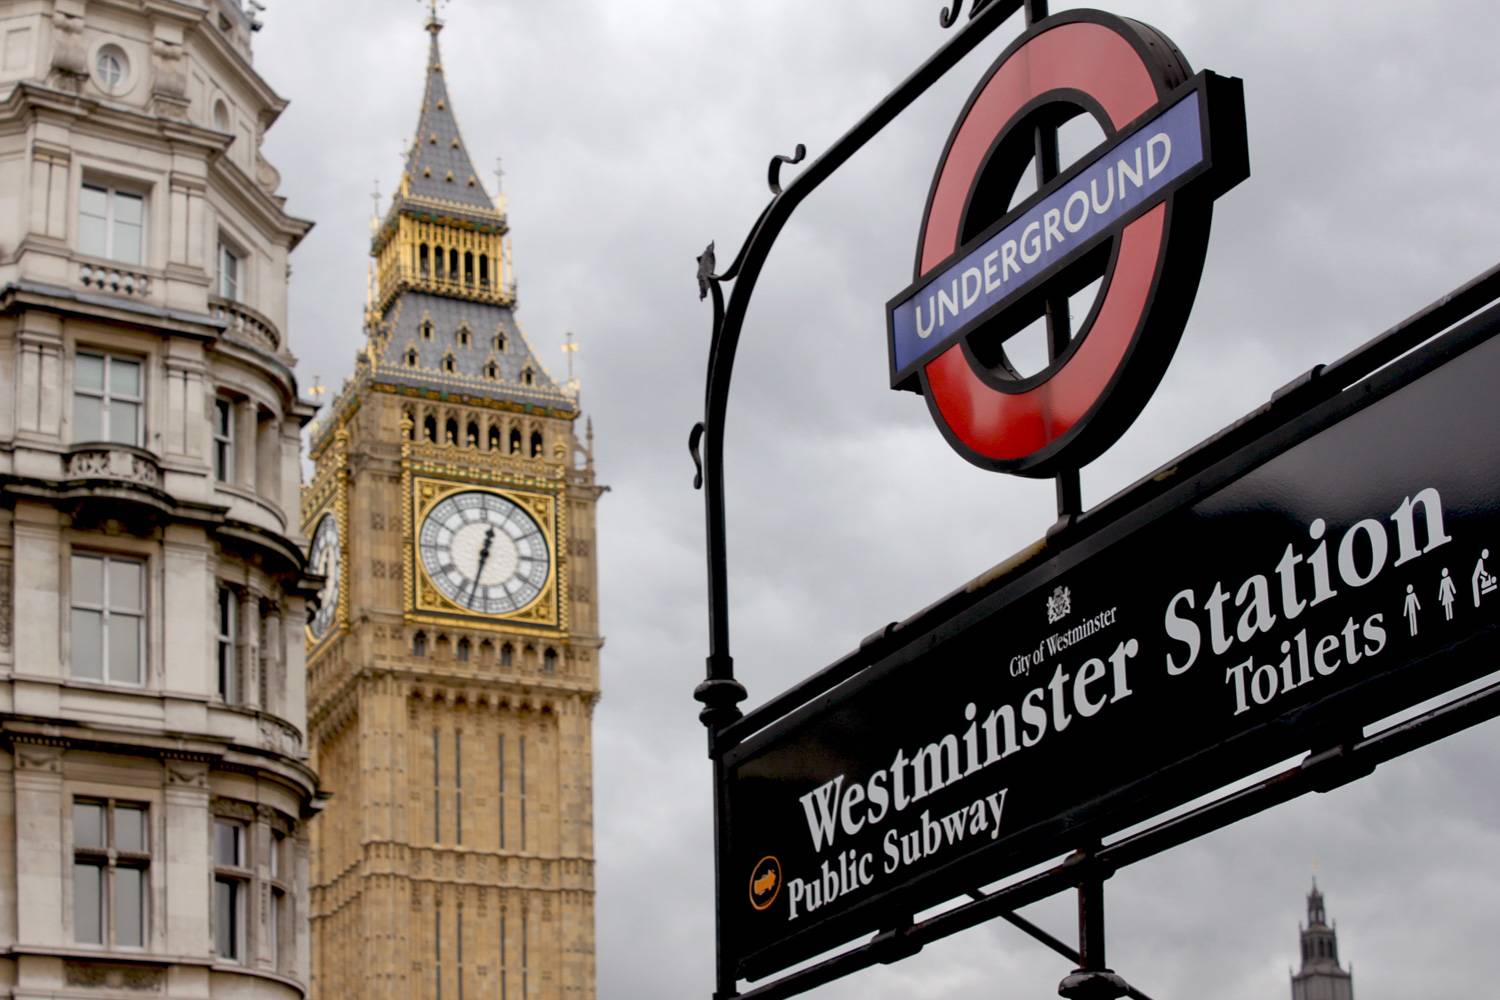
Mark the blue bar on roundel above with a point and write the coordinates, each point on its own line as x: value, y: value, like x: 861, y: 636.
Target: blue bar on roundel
x: 1128, y: 177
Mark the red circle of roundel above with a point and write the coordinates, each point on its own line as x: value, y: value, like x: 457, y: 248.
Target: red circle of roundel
x: 1083, y: 404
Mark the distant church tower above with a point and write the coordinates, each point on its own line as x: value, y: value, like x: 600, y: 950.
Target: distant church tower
x: 453, y: 661
x: 1321, y: 977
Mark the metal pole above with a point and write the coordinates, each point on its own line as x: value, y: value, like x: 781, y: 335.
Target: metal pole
x: 1059, y: 323
x: 1093, y: 979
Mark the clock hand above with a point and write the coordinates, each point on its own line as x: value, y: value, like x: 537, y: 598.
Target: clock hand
x: 484, y: 557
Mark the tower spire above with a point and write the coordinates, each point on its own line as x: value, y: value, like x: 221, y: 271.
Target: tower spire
x: 442, y: 309
x: 438, y: 167
x: 1321, y: 977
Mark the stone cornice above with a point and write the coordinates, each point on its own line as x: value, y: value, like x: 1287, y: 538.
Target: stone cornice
x: 27, y: 96
x: 216, y: 753
x: 266, y: 208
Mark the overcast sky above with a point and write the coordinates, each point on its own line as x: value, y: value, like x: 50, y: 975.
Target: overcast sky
x: 634, y: 131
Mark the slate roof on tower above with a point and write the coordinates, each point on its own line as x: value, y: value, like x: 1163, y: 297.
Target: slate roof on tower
x: 438, y: 167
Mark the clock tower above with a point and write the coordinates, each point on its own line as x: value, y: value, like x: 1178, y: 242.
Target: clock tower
x: 453, y: 656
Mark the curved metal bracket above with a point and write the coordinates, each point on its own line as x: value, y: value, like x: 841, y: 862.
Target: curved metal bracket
x: 773, y: 173
x: 948, y: 16
x: 706, y: 442
x: 694, y: 437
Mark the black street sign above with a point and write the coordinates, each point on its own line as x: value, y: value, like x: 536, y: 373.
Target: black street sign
x: 1339, y: 569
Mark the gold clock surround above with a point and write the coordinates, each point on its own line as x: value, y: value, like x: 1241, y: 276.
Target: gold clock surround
x: 328, y: 494
x: 424, y: 603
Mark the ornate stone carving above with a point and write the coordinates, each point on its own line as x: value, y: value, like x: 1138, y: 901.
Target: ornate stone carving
x: 129, y: 977
x: 169, y: 72
x: 70, y: 60
x: 233, y: 809
x: 278, y: 736
x: 169, y: 79
x: 267, y: 176
x: 38, y: 757
x: 113, y: 462
x: 187, y: 774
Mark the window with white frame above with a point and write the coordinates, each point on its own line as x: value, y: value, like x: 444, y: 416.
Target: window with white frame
x: 231, y: 272
x: 223, y: 440
x: 112, y: 223
x: 111, y: 858
x: 108, y: 398
x: 108, y: 621
x: 228, y: 661
x: 231, y: 889
x: 111, y: 68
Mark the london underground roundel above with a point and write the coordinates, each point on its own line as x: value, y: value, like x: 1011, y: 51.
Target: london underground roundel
x: 1132, y: 214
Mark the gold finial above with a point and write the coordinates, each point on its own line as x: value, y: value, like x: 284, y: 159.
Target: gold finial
x: 434, y: 24
x: 570, y: 348
x: 317, y: 389
x: 375, y: 202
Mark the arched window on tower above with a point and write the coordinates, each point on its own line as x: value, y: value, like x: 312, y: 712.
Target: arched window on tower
x: 419, y: 644
x: 411, y: 357
x: 536, y: 444
x: 515, y: 441
x: 499, y: 343
x: 494, y: 438
x: 449, y: 364
x: 468, y: 267
x: 437, y: 262
x: 549, y: 661
x: 507, y: 655
x: 461, y: 651
x: 472, y: 437
x: 424, y: 263
x: 453, y: 264
x: 491, y: 370
x: 425, y: 328
x: 484, y: 270
x: 429, y: 428
x: 450, y: 432
x: 463, y: 336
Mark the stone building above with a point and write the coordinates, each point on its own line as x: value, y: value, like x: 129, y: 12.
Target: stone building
x: 154, y: 789
x: 1321, y: 977
x: 453, y: 665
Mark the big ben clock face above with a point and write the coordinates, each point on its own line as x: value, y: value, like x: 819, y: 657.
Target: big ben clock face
x: 484, y: 553
x: 323, y: 559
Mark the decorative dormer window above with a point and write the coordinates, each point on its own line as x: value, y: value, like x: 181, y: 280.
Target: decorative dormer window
x: 499, y: 343
x: 411, y: 357
x: 491, y: 370
x: 463, y: 336
x: 448, y: 363
x: 527, y: 376
x: 426, y: 328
